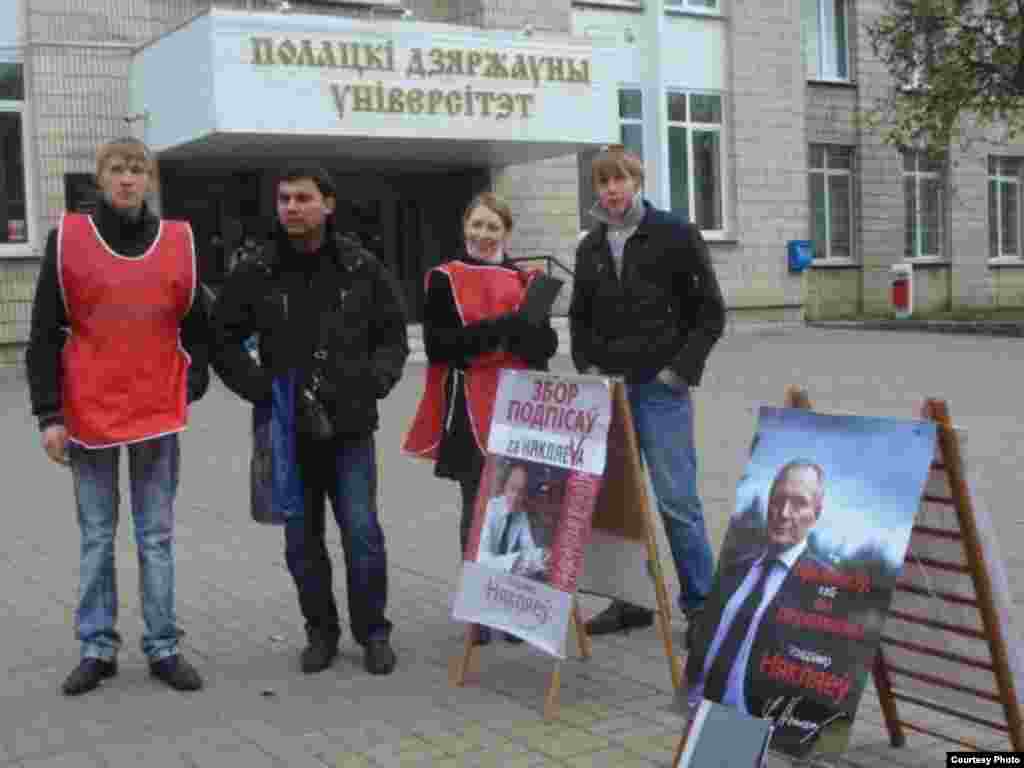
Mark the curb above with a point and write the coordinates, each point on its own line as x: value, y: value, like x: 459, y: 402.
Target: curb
x: 962, y: 327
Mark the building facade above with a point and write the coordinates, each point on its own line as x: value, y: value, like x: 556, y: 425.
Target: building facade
x: 746, y: 114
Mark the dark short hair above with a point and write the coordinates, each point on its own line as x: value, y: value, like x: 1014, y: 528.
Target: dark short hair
x: 315, y: 173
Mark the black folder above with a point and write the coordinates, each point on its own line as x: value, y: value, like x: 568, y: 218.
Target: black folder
x: 540, y: 298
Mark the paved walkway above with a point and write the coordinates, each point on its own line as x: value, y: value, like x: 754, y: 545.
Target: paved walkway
x: 243, y: 630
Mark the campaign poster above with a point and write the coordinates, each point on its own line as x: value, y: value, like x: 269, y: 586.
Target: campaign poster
x: 824, y: 515
x: 543, y: 471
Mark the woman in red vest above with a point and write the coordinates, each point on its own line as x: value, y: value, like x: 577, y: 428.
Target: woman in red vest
x: 471, y: 330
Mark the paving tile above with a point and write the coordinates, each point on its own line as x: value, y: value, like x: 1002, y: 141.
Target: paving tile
x: 609, y: 758
x: 654, y: 742
x: 291, y: 750
x: 64, y: 760
x: 154, y: 754
x: 564, y: 741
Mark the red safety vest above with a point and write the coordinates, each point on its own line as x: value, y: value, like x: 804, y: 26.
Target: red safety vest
x: 480, y: 292
x: 125, y: 370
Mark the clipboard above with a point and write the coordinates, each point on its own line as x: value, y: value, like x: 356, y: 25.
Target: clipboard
x: 540, y: 298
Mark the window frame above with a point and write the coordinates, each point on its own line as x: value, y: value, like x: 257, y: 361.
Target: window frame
x: 827, y: 172
x: 29, y: 246
x: 827, y: 47
x: 918, y: 175
x: 1001, y: 178
x: 692, y: 6
x: 624, y: 121
x: 690, y: 125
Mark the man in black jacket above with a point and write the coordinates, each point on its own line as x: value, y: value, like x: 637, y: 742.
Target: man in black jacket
x: 646, y: 305
x: 324, y: 309
x: 116, y: 300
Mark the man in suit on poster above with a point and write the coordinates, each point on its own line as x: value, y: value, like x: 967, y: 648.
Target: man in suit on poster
x: 753, y: 661
x: 517, y: 534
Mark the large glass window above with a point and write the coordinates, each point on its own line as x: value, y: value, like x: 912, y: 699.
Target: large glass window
x: 824, y: 38
x: 695, y: 157
x: 831, y: 189
x: 923, y: 185
x: 1004, y: 207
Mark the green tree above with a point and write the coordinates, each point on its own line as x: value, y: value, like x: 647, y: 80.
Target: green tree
x: 953, y: 61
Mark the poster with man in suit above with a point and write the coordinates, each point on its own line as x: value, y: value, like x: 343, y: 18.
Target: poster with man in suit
x: 824, y: 515
x: 546, y: 455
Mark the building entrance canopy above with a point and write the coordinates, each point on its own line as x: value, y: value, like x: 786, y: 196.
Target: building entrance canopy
x: 261, y: 87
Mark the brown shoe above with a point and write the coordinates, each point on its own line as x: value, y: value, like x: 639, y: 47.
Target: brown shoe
x: 619, y: 617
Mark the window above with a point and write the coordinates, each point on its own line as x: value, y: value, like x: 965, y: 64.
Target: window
x: 693, y: 5
x: 823, y: 34
x: 923, y: 180
x: 1004, y: 207
x: 695, y: 157
x: 13, y: 198
x: 831, y: 187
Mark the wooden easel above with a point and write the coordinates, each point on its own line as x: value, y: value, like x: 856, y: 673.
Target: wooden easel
x: 948, y: 473
x: 624, y: 489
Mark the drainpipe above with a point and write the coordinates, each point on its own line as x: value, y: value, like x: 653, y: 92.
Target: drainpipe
x: 656, y: 187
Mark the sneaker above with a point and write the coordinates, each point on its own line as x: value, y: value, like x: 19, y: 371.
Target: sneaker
x: 620, y: 617
x: 88, y: 675
x: 378, y: 656
x: 177, y: 673
x: 320, y: 653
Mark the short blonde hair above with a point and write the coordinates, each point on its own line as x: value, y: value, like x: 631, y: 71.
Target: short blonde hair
x: 130, y: 149
x: 493, y: 203
x: 616, y: 162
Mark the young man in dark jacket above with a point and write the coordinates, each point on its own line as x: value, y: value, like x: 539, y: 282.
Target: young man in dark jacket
x: 117, y: 351
x: 323, y: 308
x: 646, y: 305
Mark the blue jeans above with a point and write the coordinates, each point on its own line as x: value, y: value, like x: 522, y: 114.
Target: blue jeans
x: 347, y: 475
x: 663, y: 420
x: 153, y: 468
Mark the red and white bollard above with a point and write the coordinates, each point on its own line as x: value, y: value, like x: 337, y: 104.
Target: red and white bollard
x: 902, y: 290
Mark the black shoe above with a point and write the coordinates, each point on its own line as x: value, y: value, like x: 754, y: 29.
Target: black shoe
x: 177, y: 673
x: 693, y: 618
x: 483, y: 636
x: 620, y: 617
x: 320, y: 653
x: 513, y: 639
x: 378, y: 657
x: 88, y: 675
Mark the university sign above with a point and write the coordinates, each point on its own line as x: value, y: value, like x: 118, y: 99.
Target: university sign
x: 491, y: 96
x: 413, y: 80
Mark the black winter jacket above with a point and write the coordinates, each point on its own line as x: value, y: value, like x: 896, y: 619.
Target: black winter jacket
x: 50, y: 324
x: 341, y: 296
x: 666, y: 310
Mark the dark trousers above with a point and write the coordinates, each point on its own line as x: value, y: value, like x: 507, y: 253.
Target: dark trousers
x: 345, y: 473
x: 469, y: 484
